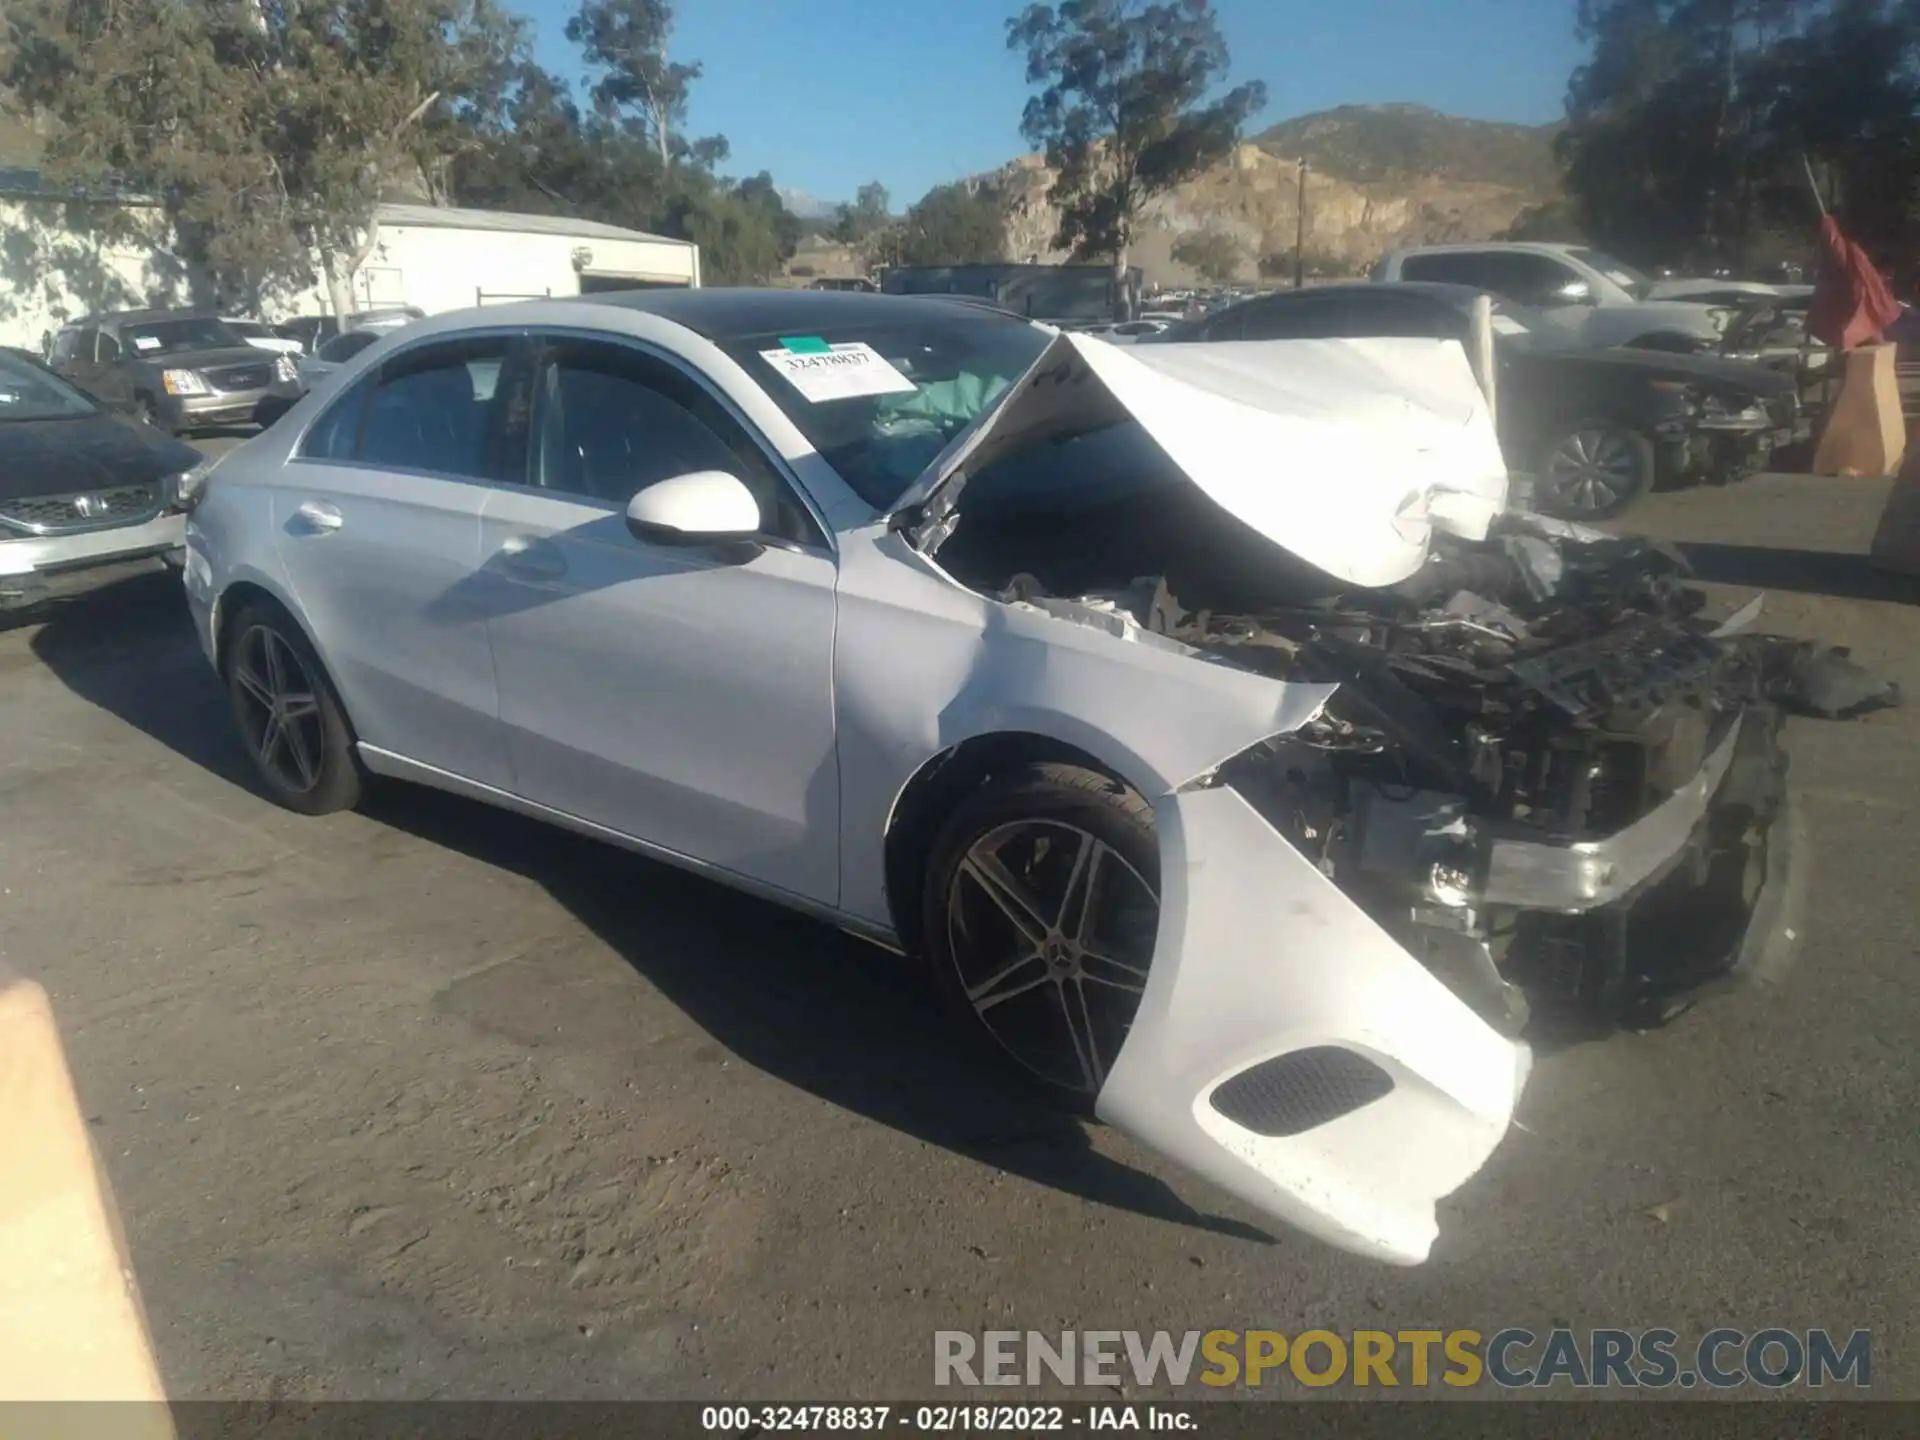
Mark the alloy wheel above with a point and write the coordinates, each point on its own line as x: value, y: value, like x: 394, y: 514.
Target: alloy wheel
x: 1591, y: 470
x: 1051, y: 933
x: 280, y: 710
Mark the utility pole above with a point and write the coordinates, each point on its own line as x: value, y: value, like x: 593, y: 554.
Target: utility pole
x: 1300, y: 232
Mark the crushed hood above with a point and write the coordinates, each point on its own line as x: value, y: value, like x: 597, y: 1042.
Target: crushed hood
x: 1347, y: 453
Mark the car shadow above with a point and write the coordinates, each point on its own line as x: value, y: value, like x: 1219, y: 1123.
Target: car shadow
x: 1833, y: 573
x: 801, y: 1001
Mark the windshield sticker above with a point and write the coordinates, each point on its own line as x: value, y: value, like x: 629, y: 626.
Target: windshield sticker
x: 838, y: 372
x: 1507, y: 325
x: 1620, y: 278
x: 146, y: 342
x: 805, y: 344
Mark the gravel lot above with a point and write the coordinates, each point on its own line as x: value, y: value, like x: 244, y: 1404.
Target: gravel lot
x: 431, y: 1101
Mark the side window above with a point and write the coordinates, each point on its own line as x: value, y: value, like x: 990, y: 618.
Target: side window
x: 609, y: 421
x: 1286, y: 320
x: 432, y: 409
x: 1528, y: 279
x: 63, y: 348
x: 336, y: 434
x: 1231, y: 326
x: 109, y: 352
x: 1447, y: 268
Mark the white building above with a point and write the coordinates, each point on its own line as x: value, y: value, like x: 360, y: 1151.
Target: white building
x: 56, y: 265
x: 443, y: 259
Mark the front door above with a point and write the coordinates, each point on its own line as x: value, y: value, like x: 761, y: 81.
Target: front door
x: 679, y: 695
x: 379, y: 533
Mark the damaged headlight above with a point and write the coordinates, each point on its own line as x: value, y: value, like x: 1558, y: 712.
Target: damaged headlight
x: 1724, y: 412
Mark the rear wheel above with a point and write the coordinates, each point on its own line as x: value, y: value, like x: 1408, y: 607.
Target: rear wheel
x: 290, y: 719
x: 1593, y: 470
x: 1040, y: 915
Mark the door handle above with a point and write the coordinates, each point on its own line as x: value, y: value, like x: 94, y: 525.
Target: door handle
x: 318, y: 517
x: 532, y: 557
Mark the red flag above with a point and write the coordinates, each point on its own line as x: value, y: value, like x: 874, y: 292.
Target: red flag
x: 1851, y: 304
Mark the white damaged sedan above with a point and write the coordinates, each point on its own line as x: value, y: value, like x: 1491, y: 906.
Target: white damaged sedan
x: 1197, y: 715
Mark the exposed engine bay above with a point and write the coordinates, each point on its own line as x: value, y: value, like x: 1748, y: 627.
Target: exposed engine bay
x: 1544, y: 771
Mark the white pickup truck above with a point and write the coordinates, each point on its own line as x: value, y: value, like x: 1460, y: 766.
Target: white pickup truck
x: 1603, y: 300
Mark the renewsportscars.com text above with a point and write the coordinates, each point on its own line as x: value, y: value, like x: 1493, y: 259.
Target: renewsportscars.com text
x: 1513, y: 1358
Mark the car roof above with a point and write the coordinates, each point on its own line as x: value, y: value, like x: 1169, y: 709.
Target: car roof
x: 721, y: 315
x: 137, y: 317
x: 1526, y: 247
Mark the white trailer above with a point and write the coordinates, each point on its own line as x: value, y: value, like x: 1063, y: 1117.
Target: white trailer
x: 438, y: 259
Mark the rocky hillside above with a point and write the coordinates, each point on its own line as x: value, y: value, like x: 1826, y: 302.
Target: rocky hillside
x: 1380, y: 176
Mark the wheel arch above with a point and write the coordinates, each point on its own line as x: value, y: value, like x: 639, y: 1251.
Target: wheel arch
x: 937, y: 786
x: 236, y: 597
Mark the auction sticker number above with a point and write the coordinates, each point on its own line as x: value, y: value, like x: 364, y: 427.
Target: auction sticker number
x: 745, y: 1419
x: 824, y: 372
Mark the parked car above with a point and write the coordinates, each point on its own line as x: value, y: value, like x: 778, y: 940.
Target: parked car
x: 259, y: 335
x: 1125, y: 332
x: 174, y: 370
x: 86, y: 497
x: 1602, y: 300
x: 313, y: 331
x: 1596, y: 429
x: 836, y: 599
x: 336, y: 352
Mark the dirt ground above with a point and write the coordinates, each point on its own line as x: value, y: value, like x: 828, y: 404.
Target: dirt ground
x: 434, y: 1102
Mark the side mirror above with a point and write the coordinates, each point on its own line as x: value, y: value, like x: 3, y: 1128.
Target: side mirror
x: 705, y: 507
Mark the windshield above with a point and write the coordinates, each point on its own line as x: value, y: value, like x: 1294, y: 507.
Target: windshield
x: 1634, y: 282
x: 247, y: 329
x: 29, y: 393
x: 174, y: 337
x: 880, y: 402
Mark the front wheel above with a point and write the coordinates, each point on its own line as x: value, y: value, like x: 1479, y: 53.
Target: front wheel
x: 290, y: 719
x: 1593, y: 471
x: 1040, y: 915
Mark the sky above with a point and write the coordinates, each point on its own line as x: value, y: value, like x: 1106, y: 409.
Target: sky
x: 829, y: 94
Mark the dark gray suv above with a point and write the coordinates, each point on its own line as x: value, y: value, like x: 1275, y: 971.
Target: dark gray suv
x: 174, y: 369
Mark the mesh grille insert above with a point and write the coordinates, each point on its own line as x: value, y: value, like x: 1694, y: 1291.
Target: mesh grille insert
x: 1292, y: 1094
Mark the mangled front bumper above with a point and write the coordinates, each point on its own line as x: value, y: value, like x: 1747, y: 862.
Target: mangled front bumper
x: 1293, y: 1051
x: 1290, y: 1051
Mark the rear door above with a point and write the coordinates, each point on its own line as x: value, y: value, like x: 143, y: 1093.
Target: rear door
x: 379, y: 533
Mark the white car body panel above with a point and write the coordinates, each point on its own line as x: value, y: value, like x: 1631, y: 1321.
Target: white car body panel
x: 1260, y: 955
x: 380, y: 565
x: 761, y: 721
x: 666, y: 693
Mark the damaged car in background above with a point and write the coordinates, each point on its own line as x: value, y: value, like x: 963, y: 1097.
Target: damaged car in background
x: 1237, y: 764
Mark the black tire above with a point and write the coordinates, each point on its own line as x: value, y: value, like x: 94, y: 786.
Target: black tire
x: 1592, y: 470
x: 1061, y: 833
x: 266, y: 653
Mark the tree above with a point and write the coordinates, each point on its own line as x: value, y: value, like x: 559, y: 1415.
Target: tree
x: 1121, y: 110
x: 626, y: 42
x: 1213, y: 256
x: 1688, y: 123
x: 855, y: 224
x: 957, y: 224
x: 270, y: 132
